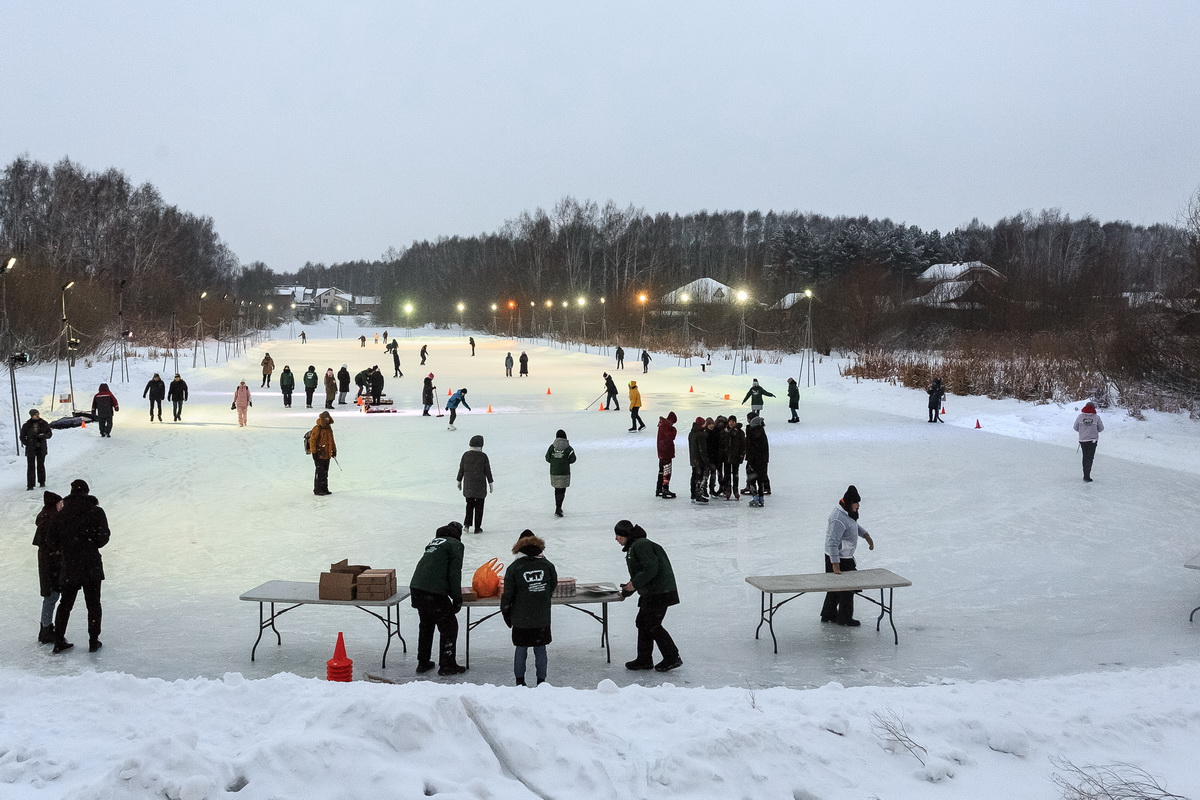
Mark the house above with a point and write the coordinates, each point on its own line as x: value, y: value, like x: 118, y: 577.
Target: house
x: 327, y: 301
x: 701, y: 290
x: 366, y: 304
x: 959, y: 285
x: 789, y: 300
x: 284, y: 296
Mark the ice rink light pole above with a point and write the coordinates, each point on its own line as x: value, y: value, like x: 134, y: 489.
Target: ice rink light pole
x: 642, y: 333
x: 408, y: 309
x: 200, y: 331
x: 461, y: 308
x: 494, y: 308
x: 742, y: 297
x: 339, y: 321
x: 810, y: 367
x: 8, y: 267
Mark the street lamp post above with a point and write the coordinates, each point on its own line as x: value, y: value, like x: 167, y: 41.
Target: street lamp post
x: 512, y: 307
x: 292, y: 323
x: 8, y: 267
x: 604, y: 324
x: 461, y: 308
x: 408, y: 309
x: 582, y: 301
x: 550, y: 317
x: 339, y: 320
x: 494, y: 307
x: 684, y: 299
x: 200, y: 331
x: 71, y: 344
x: 742, y: 297
x: 809, y: 367
x: 642, y: 334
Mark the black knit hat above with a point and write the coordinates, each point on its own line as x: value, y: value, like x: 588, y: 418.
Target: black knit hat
x: 79, y: 486
x: 452, y: 530
x: 851, y: 496
x: 476, y: 441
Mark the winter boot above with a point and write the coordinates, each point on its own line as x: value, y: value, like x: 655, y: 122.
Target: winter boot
x: 668, y: 664
x: 62, y: 645
x: 451, y: 669
x: 46, y: 635
x: 94, y: 645
x: 667, y: 494
x: 638, y: 663
x: 424, y: 666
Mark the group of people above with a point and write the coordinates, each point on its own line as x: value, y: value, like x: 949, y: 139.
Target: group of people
x: 435, y: 591
x: 508, y: 364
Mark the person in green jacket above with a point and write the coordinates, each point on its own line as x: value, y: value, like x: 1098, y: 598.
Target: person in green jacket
x: 436, y: 593
x: 793, y: 399
x: 560, y: 455
x: 310, y: 384
x: 287, y: 384
x: 651, y: 576
x: 529, y: 583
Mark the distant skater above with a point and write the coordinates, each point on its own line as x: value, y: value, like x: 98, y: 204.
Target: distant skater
x: 793, y: 392
x: 268, y: 367
x: 635, y: 405
x: 456, y: 399
x: 560, y: 455
x: 937, y: 395
x: 471, y: 341
x: 1088, y: 425
x: 475, y: 482
x: 362, y: 340
x: 424, y: 353
x: 287, y: 385
x: 104, y: 405
x: 620, y: 357
x: 755, y: 396
x: 303, y: 337
x: 177, y: 393
x: 157, y: 391
x: 646, y: 361
x: 610, y: 388
x: 508, y: 365
x: 524, y: 362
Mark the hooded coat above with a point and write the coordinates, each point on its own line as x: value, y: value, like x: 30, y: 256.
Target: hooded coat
x: 104, y: 402
x: 268, y: 364
x: 733, y: 445
x: 79, y: 531
x: 427, y: 391
x: 440, y: 569
x: 758, y: 450
x: 156, y: 389
x: 49, y: 561
x: 698, y: 446
x: 666, y: 436
x: 1088, y: 424
x: 343, y: 377
x: 311, y: 379
x: 635, y: 396
x: 529, y: 584
x: 474, y: 472
x: 287, y: 380
x: 560, y: 455
x: 755, y: 395
x: 320, y: 440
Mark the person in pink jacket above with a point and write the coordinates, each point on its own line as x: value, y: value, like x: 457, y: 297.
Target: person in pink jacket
x: 241, y: 401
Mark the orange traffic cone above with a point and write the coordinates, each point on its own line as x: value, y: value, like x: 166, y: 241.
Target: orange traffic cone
x: 547, y: 390
x: 977, y: 425
x: 726, y: 397
x: 339, y: 668
x: 602, y: 407
x: 489, y: 408
x: 84, y: 424
x: 448, y: 393
x: 691, y: 389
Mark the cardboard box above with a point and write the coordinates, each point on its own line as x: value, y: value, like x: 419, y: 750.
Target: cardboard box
x: 344, y: 566
x: 468, y: 594
x: 336, y: 586
x: 377, y: 576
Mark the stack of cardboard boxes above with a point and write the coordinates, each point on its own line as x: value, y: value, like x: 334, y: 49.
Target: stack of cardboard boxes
x: 376, y: 584
x: 345, y: 581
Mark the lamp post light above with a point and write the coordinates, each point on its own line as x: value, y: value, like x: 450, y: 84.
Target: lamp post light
x: 582, y: 303
x: 494, y: 307
x: 684, y: 299
x: 512, y: 308
x: 339, y: 320
x: 408, y: 309
x: 742, y: 297
x: 642, y: 334
x: 200, y: 331
x: 604, y: 324
x: 461, y: 308
x: 71, y: 344
x: 809, y: 367
x: 8, y: 267
x: 550, y: 317
x: 532, y: 319
x: 292, y: 323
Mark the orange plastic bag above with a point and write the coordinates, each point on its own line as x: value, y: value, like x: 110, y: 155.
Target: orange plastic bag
x: 486, y: 582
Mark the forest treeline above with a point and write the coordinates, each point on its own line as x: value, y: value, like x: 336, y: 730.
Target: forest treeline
x: 130, y: 251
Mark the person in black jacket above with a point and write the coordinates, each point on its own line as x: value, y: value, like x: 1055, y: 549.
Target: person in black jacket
x: 177, y: 393
x: 157, y: 391
x: 793, y: 390
x: 651, y: 576
x: 937, y: 395
x: 427, y: 389
x: 79, y: 532
x: 362, y: 381
x: 758, y: 453
x: 435, y: 591
x: 529, y: 585
x: 698, y: 456
x: 610, y: 386
x: 34, y: 434
x: 343, y: 378
x: 620, y: 357
x: 48, y: 565
x: 375, y: 382
x: 424, y: 353
x: 715, y: 428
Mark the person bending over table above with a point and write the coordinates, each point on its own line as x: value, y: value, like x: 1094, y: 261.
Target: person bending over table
x: 841, y: 538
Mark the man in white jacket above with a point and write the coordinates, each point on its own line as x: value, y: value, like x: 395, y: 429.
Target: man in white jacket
x: 1088, y: 424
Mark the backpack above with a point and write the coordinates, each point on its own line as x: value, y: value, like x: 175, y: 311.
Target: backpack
x: 307, y: 445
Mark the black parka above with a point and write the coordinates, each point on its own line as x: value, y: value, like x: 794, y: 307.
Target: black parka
x: 79, y: 531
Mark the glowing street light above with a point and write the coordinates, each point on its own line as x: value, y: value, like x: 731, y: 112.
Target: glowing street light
x: 494, y: 308
x: 338, y: 308
x: 641, y: 298
x: 461, y: 308
x: 810, y: 368
x: 408, y: 309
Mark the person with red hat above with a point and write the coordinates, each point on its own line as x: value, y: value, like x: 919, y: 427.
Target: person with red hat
x: 1088, y: 425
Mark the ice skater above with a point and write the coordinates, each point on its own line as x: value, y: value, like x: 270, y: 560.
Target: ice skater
x: 475, y: 482
x: 560, y: 455
x: 1088, y: 425
x: 459, y: 397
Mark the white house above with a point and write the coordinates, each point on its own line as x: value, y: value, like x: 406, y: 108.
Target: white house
x: 701, y: 290
x: 327, y: 300
x: 959, y: 285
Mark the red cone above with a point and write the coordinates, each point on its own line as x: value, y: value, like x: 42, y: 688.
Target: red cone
x: 977, y: 425
x: 339, y: 668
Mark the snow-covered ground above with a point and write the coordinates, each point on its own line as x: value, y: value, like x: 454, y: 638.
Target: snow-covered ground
x: 1048, y: 618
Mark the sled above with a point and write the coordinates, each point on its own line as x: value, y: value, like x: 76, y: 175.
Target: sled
x: 369, y: 409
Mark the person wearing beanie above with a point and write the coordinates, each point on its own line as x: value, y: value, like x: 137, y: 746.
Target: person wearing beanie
x: 435, y: 591
x: 611, y: 402
x: 156, y: 389
x: 635, y: 405
x: 475, y: 481
x: 937, y: 396
x: 311, y: 380
x: 841, y: 538
x: 758, y: 453
x: 241, y: 402
x: 698, y: 456
x: 755, y: 396
x: 343, y: 379
x: 620, y: 355
x: 287, y: 385
x: 733, y: 450
x: 529, y: 584
x: 715, y: 428
x: 651, y: 576
x: 508, y: 365
x: 1088, y: 425
x: 268, y: 366
x: 646, y: 359
x: 77, y: 533
x: 331, y: 387
x: 104, y: 405
x: 793, y: 390
x: 424, y: 353
x: 456, y: 399
x: 427, y: 389
x: 323, y: 448
x: 33, y: 436
x: 48, y: 563
x: 375, y: 384
x: 177, y: 393
x: 560, y: 455
x: 666, y: 454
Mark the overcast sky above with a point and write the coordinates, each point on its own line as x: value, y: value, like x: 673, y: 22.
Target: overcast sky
x: 331, y: 131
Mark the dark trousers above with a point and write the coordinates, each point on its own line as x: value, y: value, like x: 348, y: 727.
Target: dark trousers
x: 698, y: 475
x: 474, y: 509
x: 508, y: 372
x: 177, y: 409
x: 663, y: 484
x: 66, y: 601
x: 839, y: 606
x: 36, y: 467
x: 650, y: 632
x: 729, y: 479
x: 453, y: 415
x: 153, y: 403
x: 636, y: 418
x: 795, y: 416
x: 435, y: 611
x: 1089, y: 455
x: 308, y: 394
x: 559, y: 496
x: 287, y: 398
x: 321, y: 479
x: 612, y: 402
x: 105, y: 425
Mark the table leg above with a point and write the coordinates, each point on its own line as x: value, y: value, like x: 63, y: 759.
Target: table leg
x: 467, y: 658
x: 891, y: 619
x: 771, y: 625
x: 882, y: 610
x: 264, y: 623
x: 762, y: 612
x: 261, y: 627
x: 604, y: 634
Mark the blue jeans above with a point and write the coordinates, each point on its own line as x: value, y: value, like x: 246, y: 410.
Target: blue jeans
x: 540, y: 661
x: 177, y: 408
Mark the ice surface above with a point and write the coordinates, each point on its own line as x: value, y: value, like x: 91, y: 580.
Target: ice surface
x: 1068, y: 600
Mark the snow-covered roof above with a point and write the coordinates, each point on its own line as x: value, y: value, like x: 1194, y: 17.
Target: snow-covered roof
x: 953, y: 294
x: 788, y: 300
x: 365, y: 300
x: 957, y: 270
x: 701, y: 290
